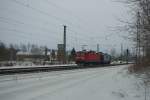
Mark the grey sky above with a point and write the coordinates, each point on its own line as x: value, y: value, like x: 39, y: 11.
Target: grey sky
x: 41, y: 22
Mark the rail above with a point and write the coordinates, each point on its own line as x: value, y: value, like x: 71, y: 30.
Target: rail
x: 10, y: 70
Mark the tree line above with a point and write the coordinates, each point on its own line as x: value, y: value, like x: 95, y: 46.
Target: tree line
x: 9, y: 52
x: 139, y: 28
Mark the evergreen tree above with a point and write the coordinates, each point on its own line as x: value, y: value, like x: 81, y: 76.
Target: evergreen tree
x: 73, y: 54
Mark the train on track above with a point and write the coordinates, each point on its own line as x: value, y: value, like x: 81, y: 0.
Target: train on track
x: 92, y: 58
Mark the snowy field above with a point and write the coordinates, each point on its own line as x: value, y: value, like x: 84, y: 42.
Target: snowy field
x: 105, y: 83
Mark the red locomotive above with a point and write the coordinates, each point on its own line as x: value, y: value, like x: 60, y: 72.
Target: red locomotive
x: 91, y: 57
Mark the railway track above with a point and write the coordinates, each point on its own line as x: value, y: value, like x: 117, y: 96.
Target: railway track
x: 6, y: 71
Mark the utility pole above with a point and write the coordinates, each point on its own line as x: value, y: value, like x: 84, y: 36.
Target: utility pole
x: 97, y: 47
x: 11, y: 55
x: 46, y: 51
x: 64, y: 40
x: 127, y: 56
x: 138, y: 40
x: 121, y: 52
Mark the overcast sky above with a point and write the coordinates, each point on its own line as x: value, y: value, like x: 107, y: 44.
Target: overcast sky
x: 41, y: 22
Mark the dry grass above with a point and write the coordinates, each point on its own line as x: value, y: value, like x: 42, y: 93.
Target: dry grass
x: 143, y: 65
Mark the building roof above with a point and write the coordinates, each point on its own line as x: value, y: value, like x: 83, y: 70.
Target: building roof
x: 29, y: 53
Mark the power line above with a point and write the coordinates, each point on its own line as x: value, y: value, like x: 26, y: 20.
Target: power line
x: 65, y: 10
x: 40, y: 11
x: 44, y: 21
x: 45, y: 13
x: 50, y: 15
x: 23, y: 34
x: 84, y: 36
x: 6, y: 20
x: 19, y: 22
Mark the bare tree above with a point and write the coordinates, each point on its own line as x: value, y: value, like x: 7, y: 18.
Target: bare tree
x: 139, y: 28
x: 23, y: 47
x: 36, y: 50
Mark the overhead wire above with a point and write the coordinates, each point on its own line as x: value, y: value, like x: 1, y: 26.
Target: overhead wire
x: 41, y: 12
x: 19, y: 22
x: 4, y: 19
x: 15, y: 30
x: 23, y: 35
x: 47, y: 14
x: 70, y: 13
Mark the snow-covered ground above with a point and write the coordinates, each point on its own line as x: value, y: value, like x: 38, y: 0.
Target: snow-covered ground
x: 105, y: 83
x: 18, y: 66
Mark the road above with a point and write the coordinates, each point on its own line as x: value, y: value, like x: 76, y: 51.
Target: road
x: 104, y: 83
